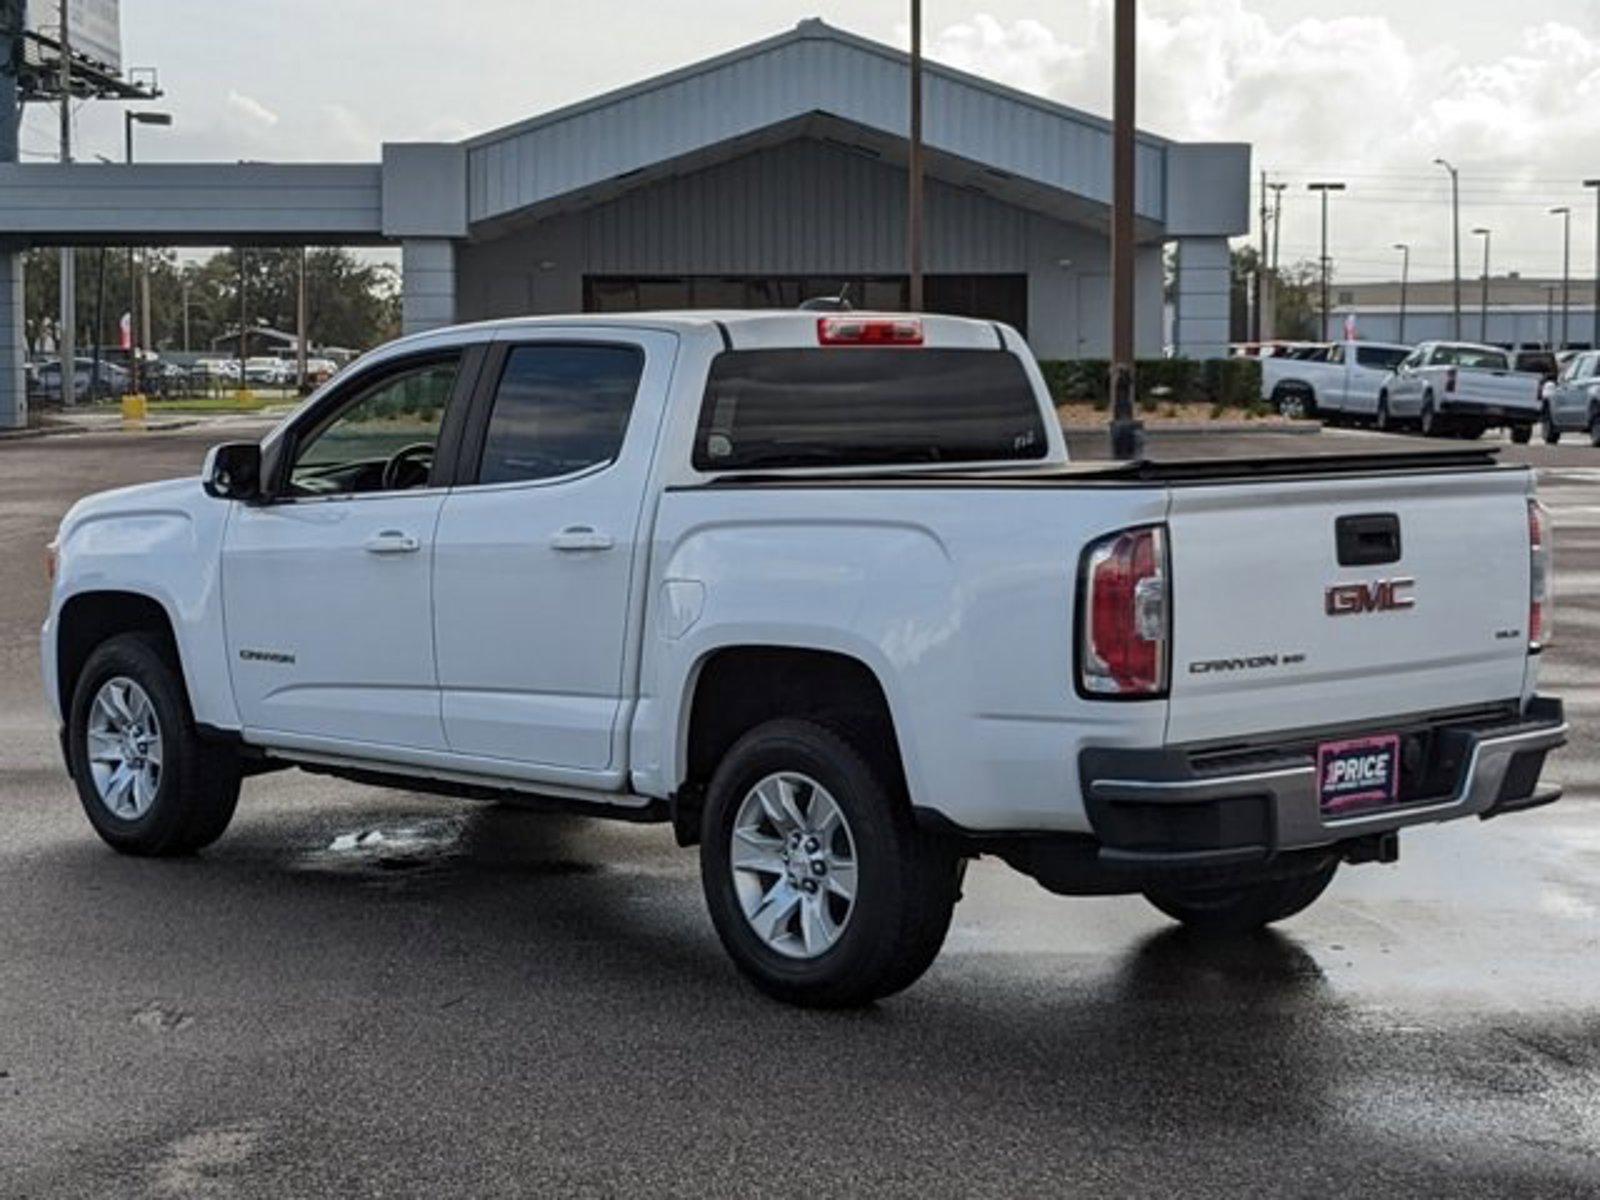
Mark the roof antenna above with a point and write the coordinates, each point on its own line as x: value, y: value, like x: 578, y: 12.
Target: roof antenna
x: 839, y: 303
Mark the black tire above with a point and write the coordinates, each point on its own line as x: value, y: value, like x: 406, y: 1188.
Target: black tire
x: 1244, y: 908
x: 1594, y: 428
x: 907, y: 886
x: 1548, y: 428
x: 1295, y: 402
x: 1522, y: 434
x: 198, y: 786
x: 1428, y: 423
x: 1382, y: 421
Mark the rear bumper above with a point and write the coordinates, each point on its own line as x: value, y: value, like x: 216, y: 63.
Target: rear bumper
x: 1193, y: 807
x: 1504, y: 414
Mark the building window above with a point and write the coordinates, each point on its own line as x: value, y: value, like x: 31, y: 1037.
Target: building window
x: 989, y: 297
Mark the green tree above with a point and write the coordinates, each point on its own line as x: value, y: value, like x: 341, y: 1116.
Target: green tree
x: 1296, y: 302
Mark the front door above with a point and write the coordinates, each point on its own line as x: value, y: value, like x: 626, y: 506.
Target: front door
x: 538, y: 565
x: 327, y: 586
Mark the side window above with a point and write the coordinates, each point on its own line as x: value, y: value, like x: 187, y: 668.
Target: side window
x: 559, y: 409
x: 1589, y: 366
x: 1336, y: 355
x: 382, y: 439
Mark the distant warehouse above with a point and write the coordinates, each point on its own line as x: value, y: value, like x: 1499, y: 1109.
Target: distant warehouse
x: 765, y: 176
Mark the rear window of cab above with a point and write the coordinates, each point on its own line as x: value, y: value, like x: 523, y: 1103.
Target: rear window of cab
x: 866, y: 406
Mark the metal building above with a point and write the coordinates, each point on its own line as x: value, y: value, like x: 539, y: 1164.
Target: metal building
x: 760, y: 177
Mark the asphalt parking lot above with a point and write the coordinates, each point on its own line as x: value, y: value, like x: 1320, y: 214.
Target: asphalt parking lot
x: 487, y: 1001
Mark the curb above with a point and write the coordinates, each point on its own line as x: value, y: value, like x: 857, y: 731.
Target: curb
x: 70, y: 430
x: 1299, y: 429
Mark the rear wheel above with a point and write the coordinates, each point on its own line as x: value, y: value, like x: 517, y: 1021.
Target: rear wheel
x: 1522, y: 434
x: 147, y: 781
x: 1296, y: 403
x: 823, y: 890
x: 1428, y: 422
x: 1548, y: 428
x: 1242, y: 908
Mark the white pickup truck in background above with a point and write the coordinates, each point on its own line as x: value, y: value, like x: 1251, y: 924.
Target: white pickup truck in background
x: 824, y: 593
x: 1463, y: 389
x: 1345, y: 381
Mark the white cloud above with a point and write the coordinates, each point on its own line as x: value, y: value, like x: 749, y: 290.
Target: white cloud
x: 251, y: 109
x: 1349, y: 97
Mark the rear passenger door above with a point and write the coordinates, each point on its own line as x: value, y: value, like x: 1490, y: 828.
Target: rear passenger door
x: 538, y: 563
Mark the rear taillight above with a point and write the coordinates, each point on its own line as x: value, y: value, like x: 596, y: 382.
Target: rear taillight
x: 869, y: 331
x: 1540, y: 608
x: 1125, y: 615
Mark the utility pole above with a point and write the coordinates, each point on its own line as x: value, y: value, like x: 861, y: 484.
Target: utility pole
x: 1483, y: 314
x: 184, y: 285
x: 1325, y: 188
x: 1594, y: 338
x: 243, y: 309
x: 1405, y: 283
x: 1565, y: 213
x: 914, y: 162
x: 67, y: 343
x: 1277, y: 224
x: 138, y: 306
x: 1455, y: 234
x: 1127, y: 435
x: 1260, y: 321
x: 300, y: 327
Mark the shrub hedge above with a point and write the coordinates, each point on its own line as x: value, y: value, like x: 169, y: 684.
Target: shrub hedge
x: 1219, y: 383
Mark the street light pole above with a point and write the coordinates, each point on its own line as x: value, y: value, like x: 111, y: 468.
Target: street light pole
x: 1325, y: 188
x: 138, y: 289
x: 1405, y: 282
x: 1565, y: 213
x: 1455, y: 234
x: 1483, y: 315
x: 1126, y: 433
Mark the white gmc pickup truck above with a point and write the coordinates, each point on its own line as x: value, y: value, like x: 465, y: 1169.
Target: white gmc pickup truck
x: 825, y: 593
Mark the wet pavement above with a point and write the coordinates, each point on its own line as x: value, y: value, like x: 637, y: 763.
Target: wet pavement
x: 370, y: 993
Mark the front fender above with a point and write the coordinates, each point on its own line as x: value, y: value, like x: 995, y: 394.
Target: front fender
x: 163, y: 542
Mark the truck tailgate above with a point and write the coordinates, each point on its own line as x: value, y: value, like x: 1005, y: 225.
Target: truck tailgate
x: 1260, y: 643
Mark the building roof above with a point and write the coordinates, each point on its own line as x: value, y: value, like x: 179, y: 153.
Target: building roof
x: 760, y: 93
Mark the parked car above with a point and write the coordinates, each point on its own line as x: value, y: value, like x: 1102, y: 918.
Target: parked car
x: 824, y: 593
x: 109, y: 381
x: 1345, y: 382
x: 1460, y: 388
x: 1573, y: 403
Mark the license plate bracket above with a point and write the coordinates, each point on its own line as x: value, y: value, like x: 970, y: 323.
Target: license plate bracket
x: 1358, y: 775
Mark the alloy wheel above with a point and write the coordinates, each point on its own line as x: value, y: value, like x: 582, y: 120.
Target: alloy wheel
x: 124, y: 748
x: 794, y: 865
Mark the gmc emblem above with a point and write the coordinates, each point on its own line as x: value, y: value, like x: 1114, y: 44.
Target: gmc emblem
x: 1381, y: 595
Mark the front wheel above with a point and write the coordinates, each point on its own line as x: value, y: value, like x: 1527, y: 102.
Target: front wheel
x: 147, y: 781
x: 1382, y: 421
x: 1245, y: 907
x: 823, y: 890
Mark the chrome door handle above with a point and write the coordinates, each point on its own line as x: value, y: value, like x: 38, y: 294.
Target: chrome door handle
x: 391, y: 541
x: 577, y: 538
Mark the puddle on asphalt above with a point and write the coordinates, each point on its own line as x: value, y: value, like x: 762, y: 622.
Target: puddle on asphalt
x: 428, y: 847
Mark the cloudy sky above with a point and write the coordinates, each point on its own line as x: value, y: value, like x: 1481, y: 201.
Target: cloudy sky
x: 1362, y: 90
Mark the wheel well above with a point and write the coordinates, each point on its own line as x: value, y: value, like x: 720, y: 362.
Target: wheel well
x: 91, y: 618
x: 741, y: 687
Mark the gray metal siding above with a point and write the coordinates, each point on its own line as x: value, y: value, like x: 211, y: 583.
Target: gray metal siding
x: 181, y: 202
x: 785, y: 80
x: 802, y: 207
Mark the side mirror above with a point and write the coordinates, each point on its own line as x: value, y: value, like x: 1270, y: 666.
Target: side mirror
x: 233, y: 471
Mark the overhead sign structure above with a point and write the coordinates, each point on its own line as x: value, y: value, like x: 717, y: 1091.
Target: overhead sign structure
x: 94, y: 32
